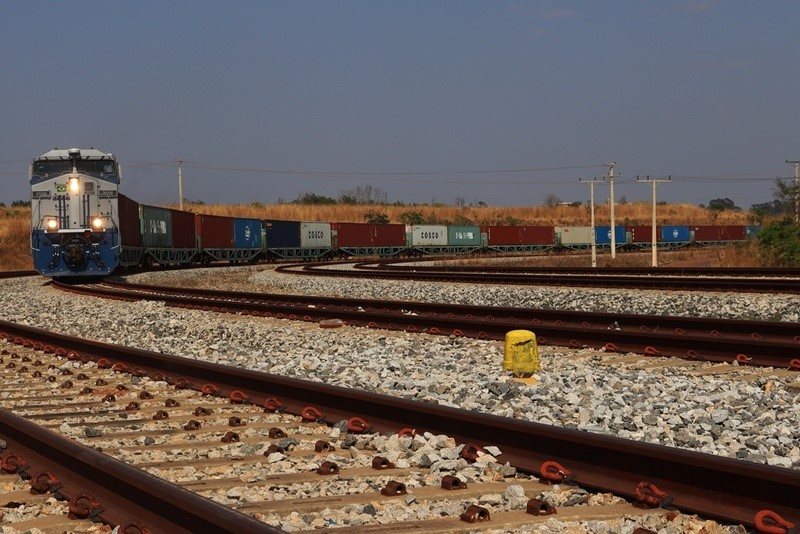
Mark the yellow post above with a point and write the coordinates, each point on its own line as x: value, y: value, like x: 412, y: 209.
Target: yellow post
x: 521, y: 355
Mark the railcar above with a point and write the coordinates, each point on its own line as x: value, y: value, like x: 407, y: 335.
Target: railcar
x: 75, y: 213
x: 519, y: 239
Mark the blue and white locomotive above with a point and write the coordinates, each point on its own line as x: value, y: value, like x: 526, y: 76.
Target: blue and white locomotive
x: 74, y: 213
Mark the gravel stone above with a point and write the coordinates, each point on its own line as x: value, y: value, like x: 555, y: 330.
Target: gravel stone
x: 752, y: 420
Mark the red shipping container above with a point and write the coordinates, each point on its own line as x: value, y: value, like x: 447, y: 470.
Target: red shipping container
x: 130, y: 231
x: 539, y: 235
x: 734, y: 232
x: 183, y: 229
x: 214, y: 231
x: 369, y: 235
x: 644, y: 234
x: 708, y: 233
x: 519, y: 235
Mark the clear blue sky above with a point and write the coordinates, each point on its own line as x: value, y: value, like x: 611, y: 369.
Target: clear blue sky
x: 266, y: 100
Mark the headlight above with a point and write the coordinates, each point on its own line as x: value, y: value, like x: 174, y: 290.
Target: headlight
x: 74, y: 184
x: 51, y: 224
x: 98, y: 223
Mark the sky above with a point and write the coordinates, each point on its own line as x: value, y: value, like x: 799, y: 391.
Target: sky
x: 503, y: 102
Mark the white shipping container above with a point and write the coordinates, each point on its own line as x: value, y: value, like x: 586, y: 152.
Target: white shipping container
x: 315, y: 235
x: 429, y: 235
x: 575, y: 235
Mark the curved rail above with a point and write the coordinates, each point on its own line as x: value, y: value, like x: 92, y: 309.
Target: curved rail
x: 744, y: 342
x: 414, y: 265
x: 550, y: 278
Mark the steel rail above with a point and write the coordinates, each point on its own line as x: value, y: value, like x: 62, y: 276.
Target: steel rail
x: 655, y: 282
x: 532, y: 317
x: 413, y: 264
x: 753, y: 350
x: 109, y: 490
x: 721, y: 488
x: 17, y: 274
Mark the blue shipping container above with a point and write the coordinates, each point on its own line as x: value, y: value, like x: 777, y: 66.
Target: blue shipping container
x: 282, y: 234
x: 602, y: 235
x: 675, y: 234
x: 247, y: 233
x: 751, y: 231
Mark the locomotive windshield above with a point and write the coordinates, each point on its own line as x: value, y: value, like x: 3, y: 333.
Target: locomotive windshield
x: 96, y: 166
x: 43, y: 167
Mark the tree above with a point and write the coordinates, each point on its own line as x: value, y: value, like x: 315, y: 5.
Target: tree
x: 411, y: 217
x: 722, y: 204
x: 313, y: 198
x: 376, y: 217
x: 780, y: 243
x: 551, y: 200
x: 759, y: 212
x: 788, y: 194
x: 365, y: 194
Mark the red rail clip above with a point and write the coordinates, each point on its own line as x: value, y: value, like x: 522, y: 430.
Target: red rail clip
x: 84, y: 506
x: 44, y: 482
x: 650, y: 495
x: 357, y: 425
x: 770, y: 522
x: 209, y: 389
x: 272, y: 405
x: 554, y: 471
x: 311, y: 414
x: 410, y: 432
x: 237, y: 396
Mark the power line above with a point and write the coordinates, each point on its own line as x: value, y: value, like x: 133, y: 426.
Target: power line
x: 212, y: 166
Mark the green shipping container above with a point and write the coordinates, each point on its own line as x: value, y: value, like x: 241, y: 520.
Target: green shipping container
x: 464, y: 236
x: 156, y: 227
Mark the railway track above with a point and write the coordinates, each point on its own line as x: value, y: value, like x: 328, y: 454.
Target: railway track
x: 779, y: 281
x: 716, y: 272
x: 758, y: 343
x: 144, y: 408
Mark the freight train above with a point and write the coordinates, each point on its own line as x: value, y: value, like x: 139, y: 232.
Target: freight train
x: 82, y: 226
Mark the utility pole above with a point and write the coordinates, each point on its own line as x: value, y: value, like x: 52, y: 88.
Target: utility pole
x: 796, y: 191
x: 180, y: 184
x: 610, y: 177
x: 653, y: 237
x: 591, y: 203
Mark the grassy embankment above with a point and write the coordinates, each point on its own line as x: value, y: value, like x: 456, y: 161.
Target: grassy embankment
x: 15, y: 222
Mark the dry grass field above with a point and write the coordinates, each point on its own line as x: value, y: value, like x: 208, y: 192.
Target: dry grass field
x: 15, y: 222
x: 625, y: 214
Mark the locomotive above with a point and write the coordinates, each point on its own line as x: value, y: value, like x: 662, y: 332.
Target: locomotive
x: 74, y: 217
x: 81, y: 226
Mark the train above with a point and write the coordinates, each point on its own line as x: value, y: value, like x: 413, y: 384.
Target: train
x: 82, y: 226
